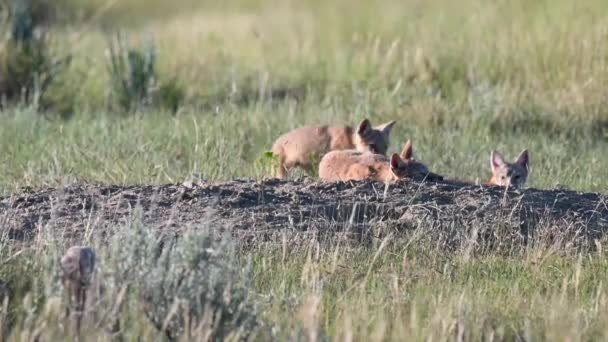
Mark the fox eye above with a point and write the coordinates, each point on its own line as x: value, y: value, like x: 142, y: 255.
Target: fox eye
x: 516, y: 177
x: 503, y: 177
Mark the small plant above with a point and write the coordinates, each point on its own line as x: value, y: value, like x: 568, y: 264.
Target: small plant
x: 132, y: 74
x: 27, y: 65
x: 134, y: 79
x: 315, y: 159
x: 267, y: 163
x: 170, y: 95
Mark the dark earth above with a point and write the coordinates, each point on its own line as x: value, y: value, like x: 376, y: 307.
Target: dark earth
x: 447, y: 212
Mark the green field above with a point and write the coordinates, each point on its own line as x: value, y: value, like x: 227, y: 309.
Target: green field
x: 460, y: 78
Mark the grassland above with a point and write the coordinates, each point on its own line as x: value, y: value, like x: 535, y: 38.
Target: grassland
x: 461, y: 78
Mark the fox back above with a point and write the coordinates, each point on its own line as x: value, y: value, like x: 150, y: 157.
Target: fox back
x: 509, y: 174
x: 356, y: 165
x: 301, y: 146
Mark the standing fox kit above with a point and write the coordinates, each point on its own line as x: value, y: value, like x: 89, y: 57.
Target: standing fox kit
x: 79, y: 280
x: 298, y: 147
x: 356, y: 165
x: 79, y: 270
x: 509, y: 174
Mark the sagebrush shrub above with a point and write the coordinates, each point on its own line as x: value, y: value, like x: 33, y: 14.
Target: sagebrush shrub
x: 134, y: 80
x: 28, y: 67
x: 190, y: 285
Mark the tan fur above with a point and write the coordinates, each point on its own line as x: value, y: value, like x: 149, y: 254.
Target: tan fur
x: 509, y: 174
x: 80, y: 281
x: 356, y: 165
x: 300, y: 147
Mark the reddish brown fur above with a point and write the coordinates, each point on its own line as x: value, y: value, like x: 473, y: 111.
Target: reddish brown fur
x: 301, y: 146
x: 356, y: 165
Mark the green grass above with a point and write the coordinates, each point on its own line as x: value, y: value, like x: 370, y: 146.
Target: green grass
x: 336, y: 290
x: 400, y: 293
x: 461, y: 78
x: 159, y: 148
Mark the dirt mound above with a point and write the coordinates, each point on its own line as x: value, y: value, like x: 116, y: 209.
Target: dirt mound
x: 252, y: 210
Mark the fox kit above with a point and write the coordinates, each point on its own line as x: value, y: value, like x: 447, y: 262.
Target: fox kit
x: 78, y: 267
x: 296, y: 148
x: 509, y: 174
x: 356, y: 165
x: 80, y: 280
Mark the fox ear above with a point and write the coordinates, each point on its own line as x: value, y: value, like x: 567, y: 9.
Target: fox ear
x: 364, y: 126
x: 408, y: 151
x: 395, y: 161
x: 496, y: 160
x: 523, y: 159
x: 386, y: 128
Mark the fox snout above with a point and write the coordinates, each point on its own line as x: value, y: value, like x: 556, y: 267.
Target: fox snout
x: 406, y: 166
x: 433, y: 177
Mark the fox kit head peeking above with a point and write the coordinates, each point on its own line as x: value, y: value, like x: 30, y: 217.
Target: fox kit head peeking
x: 509, y: 174
x: 405, y: 166
x: 373, y: 139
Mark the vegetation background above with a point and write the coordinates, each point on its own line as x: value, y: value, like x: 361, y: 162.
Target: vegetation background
x: 151, y: 91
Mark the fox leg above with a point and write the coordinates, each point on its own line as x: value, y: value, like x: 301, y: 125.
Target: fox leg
x: 285, y: 167
x: 281, y: 171
x: 308, y: 168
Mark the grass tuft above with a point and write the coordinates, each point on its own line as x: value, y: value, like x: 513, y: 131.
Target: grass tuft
x: 28, y: 66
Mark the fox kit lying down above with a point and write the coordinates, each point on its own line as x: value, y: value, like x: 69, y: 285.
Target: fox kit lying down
x: 298, y: 147
x: 355, y: 165
x: 509, y: 174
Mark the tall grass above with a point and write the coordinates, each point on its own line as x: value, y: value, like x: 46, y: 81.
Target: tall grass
x: 150, y: 285
x: 459, y: 80
x: 394, y: 289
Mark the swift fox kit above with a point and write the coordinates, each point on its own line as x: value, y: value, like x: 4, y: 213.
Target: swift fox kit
x: 356, y: 165
x: 296, y: 148
x: 79, y: 279
x: 509, y: 174
x: 84, y: 289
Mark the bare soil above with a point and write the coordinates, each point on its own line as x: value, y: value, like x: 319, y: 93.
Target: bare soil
x: 447, y: 212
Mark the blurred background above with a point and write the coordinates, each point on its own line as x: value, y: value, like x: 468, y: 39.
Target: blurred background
x: 153, y: 91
